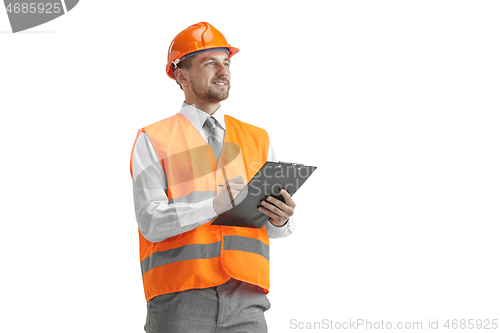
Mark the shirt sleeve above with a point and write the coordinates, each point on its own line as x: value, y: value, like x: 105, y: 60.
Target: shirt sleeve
x: 272, y: 230
x: 157, y: 218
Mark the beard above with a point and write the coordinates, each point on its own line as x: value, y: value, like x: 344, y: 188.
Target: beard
x: 210, y: 94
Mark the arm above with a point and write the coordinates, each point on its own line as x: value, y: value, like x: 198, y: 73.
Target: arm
x: 156, y: 217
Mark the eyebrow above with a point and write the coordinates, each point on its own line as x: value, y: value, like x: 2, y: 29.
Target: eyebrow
x: 212, y: 58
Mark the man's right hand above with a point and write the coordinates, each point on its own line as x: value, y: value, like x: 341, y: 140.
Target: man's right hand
x: 230, y: 190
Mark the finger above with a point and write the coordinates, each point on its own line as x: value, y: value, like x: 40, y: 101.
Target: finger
x: 273, y: 218
x: 234, y: 194
x: 281, y: 205
x: 236, y: 187
x: 236, y: 180
x: 269, y: 213
x: 274, y: 209
x: 276, y: 202
x: 288, y: 198
x: 239, y: 179
x: 231, y: 184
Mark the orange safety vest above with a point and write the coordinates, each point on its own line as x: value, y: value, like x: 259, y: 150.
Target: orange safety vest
x: 208, y: 255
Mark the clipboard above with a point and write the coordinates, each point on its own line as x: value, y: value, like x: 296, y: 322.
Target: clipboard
x: 268, y: 181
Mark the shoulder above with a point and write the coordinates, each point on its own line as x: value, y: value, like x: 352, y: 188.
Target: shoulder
x: 246, y: 126
x: 163, y: 122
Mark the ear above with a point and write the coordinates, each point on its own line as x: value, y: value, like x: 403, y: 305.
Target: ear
x: 181, y: 77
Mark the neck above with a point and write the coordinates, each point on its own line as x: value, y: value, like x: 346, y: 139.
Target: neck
x: 205, y: 106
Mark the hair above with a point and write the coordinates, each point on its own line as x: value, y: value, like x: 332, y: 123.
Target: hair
x: 186, y: 64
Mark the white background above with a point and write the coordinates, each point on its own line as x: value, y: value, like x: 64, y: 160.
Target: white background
x: 396, y: 102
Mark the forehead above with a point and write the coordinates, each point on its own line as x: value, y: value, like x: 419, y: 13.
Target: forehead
x: 218, y: 55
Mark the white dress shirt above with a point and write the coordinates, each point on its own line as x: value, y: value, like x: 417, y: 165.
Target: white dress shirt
x: 157, y: 218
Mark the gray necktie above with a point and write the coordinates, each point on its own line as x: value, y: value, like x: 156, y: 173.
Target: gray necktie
x: 215, y: 135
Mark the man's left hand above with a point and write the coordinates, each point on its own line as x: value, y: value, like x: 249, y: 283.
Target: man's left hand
x: 279, y: 212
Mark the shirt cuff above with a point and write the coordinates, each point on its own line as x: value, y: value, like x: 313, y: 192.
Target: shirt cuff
x: 279, y: 232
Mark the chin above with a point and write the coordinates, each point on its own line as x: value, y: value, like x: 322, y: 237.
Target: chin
x: 220, y: 97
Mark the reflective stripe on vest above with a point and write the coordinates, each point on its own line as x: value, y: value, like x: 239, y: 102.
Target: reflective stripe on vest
x: 186, y: 252
x: 204, y: 251
x: 241, y: 243
x: 207, y: 255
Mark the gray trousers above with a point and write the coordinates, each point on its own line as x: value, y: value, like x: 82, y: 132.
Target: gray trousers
x: 233, y: 307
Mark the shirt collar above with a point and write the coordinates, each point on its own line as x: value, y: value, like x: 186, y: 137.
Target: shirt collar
x: 198, y: 117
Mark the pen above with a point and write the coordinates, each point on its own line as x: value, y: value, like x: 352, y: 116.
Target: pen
x: 228, y: 190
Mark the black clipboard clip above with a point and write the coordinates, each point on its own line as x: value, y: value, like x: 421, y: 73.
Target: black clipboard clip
x: 291, y: 163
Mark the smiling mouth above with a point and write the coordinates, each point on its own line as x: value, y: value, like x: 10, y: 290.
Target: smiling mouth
x: 220, y: 83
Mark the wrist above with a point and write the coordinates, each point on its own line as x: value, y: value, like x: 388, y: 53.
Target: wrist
x: 279, y: 226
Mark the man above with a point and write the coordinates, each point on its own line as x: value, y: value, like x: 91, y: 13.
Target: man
x: 186, y: 169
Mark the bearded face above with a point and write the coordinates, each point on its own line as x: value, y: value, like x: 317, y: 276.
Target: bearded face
x: 209, y: 77
x: 214, y: 90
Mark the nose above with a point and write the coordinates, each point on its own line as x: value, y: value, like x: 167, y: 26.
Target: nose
x: 223, y: 70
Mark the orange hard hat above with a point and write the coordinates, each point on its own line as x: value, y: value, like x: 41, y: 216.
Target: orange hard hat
x: 197, y: 37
